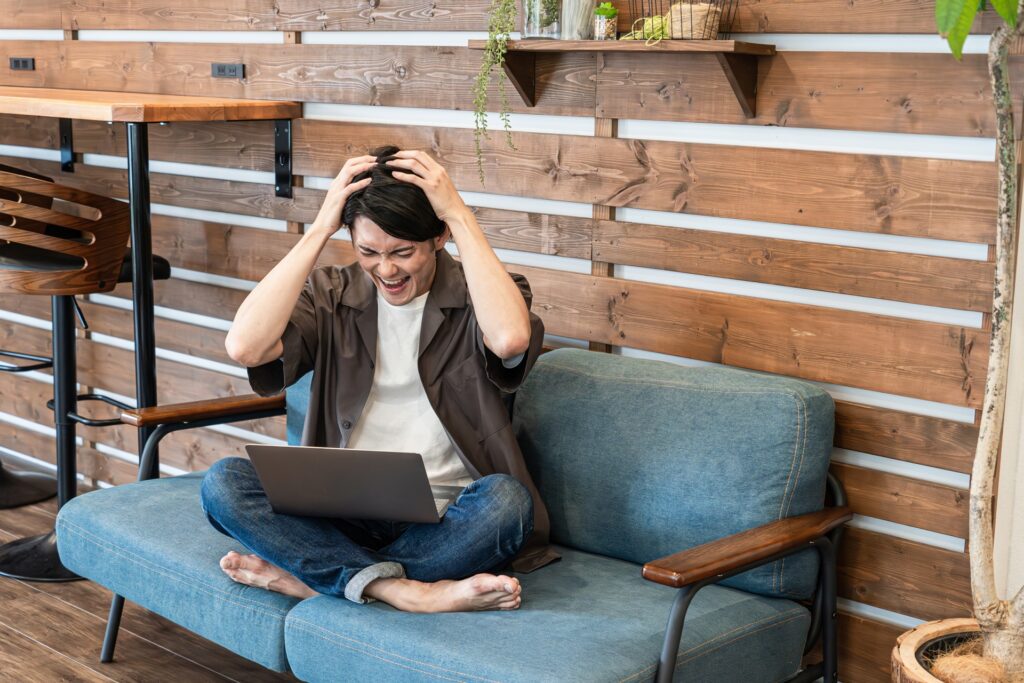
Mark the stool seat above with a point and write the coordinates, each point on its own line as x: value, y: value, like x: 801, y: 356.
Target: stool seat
x: 25, y: 257
x: 161, y: 268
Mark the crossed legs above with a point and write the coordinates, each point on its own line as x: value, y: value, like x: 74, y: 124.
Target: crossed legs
x: 414, y: 567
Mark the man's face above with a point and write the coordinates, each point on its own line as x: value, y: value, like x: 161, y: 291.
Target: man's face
x: 401, y: 270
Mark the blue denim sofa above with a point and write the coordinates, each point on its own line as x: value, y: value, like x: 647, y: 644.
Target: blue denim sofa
x: 660, y: 480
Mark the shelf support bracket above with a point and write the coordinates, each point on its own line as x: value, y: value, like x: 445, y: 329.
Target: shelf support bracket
x: 283, y: 158
x: 521, y: 69
x: 67, y: 152
x: 741, y: 72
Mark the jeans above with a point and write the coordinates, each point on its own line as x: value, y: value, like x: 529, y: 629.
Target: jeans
x: 482, y: 530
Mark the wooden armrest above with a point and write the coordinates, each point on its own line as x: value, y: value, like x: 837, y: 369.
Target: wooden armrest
x: 725, y: 554
x: 201, y: 410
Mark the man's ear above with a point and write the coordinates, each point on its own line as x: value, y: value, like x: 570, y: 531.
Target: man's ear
x: 442, y: 239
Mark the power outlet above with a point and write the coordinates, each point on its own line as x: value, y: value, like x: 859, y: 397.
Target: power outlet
x: 228, y: 70
x: 23, y: 64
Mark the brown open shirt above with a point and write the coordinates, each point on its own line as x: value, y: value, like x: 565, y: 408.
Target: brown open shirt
x: 333, y: 331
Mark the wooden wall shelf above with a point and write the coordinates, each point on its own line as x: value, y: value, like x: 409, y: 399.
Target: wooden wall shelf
x: 738, y: 60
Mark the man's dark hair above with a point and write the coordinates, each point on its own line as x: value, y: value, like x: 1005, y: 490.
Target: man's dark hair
x: 401, y: 209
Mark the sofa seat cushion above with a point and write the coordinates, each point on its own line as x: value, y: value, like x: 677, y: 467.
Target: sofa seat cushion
x: 586, y: 618
x: 151, y: 543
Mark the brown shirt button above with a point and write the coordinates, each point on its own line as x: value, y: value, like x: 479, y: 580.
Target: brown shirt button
x: 346, y: 425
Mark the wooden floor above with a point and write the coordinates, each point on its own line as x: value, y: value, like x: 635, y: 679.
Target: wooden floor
x: 52, y: 632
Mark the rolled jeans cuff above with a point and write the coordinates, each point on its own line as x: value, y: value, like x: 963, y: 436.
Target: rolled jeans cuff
x: 358, y: 583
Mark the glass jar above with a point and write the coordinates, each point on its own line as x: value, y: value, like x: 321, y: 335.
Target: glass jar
x: 605, y: 27
x: 542, y: 18
x: 577, y: 19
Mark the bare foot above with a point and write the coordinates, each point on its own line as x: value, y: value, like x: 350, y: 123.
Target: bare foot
x: 480, y: 592
x: 254, y: 571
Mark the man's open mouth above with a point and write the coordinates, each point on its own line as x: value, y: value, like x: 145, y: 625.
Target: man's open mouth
x: 393, y: 286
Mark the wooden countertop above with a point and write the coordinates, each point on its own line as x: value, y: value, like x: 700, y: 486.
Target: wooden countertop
x: 98, y: 105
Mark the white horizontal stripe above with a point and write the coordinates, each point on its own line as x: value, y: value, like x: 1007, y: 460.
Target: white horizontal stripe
x: 555, y: 340
x: 127, y: 400
x: 212, y: 279
x: 175, y: 356
x: 31, y: 34
x: 809, y: 297
x: 865, y: 397
x: 177, y: 168
x: 254, y: 437
x: 814, y: 139
x: 163, y: 312
x: 785, y: 231
x: 421, y: 38
x: 148, y: 36
x: 133, y: 459
x: 878, y: 399
x: 877, y: 613
x: 221, y: 217
x: 448, y: 118
x: 526, y: 258
x: 28, y: 425
x: 28, y: 321
x: 909, y: 533
x: 902, y: 468
x: 866, y: 42
x: 28, y: 461
x: 496, y: 201
x: 30, y: 152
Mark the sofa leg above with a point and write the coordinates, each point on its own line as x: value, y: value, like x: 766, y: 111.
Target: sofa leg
x: 113, y: 624
x: 674, y: 633
x: 830, y: 616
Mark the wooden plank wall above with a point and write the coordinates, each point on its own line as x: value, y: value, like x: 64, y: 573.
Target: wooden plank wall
x: 824, y: 254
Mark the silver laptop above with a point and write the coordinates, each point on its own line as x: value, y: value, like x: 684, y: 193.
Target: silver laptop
x: 344, y: 483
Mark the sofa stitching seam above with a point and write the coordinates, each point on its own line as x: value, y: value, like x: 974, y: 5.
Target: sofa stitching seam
x: 679, y: 662
x: 337, y: 638
x: 204, y: 588
x: 778, y: 572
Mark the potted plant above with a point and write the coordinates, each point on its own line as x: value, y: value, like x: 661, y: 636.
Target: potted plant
x: 989, y: 647
x: 501, y: 23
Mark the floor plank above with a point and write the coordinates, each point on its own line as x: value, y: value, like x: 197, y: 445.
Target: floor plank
x: 25, y: 660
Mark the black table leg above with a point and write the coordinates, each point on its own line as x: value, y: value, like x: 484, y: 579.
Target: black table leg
x: 35, y: 558
x: 142, y: 274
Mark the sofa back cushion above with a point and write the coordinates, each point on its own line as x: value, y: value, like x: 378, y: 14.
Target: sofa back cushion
x: 638, y: 459
x: 297, y: 405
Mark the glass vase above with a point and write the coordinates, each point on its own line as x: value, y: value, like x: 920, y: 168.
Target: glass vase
x: 605, y: 27
x: 578, y: 19
x: 542, y: 18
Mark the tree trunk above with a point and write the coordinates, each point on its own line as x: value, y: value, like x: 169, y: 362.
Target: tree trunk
x: 1000, y: 620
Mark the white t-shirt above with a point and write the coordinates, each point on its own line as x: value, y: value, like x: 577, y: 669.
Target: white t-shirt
x: 397, y: 415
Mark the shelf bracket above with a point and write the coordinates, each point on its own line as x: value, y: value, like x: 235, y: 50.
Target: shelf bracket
x: 283, y: 158
x: 67, y: 153
x: 741, y: 72
x: 521, y: 69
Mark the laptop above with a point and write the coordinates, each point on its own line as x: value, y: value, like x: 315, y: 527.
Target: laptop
x: 347, y: 483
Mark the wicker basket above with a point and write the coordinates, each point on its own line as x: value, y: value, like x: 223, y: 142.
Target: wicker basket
x: 681, y: 19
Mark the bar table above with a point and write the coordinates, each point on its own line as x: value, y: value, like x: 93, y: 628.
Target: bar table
x: 35, y: 558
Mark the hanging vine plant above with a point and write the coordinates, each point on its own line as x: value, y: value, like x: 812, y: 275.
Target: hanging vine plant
x: 502, y: 22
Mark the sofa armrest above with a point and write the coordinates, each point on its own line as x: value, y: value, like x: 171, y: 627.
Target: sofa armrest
x: 743, y: 549
x: 202, y: 410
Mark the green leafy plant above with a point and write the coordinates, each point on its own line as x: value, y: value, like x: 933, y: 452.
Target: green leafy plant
x: 606, y: 9
x: 954, y: 19
x: 501, y: 23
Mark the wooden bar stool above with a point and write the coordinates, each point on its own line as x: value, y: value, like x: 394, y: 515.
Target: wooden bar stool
x: 60, y: 242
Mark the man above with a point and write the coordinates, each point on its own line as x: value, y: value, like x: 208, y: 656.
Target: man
x: 411, y: 351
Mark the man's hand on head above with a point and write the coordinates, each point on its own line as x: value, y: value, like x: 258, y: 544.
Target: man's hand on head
x: 421, y: 170
x: 342, y: 187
